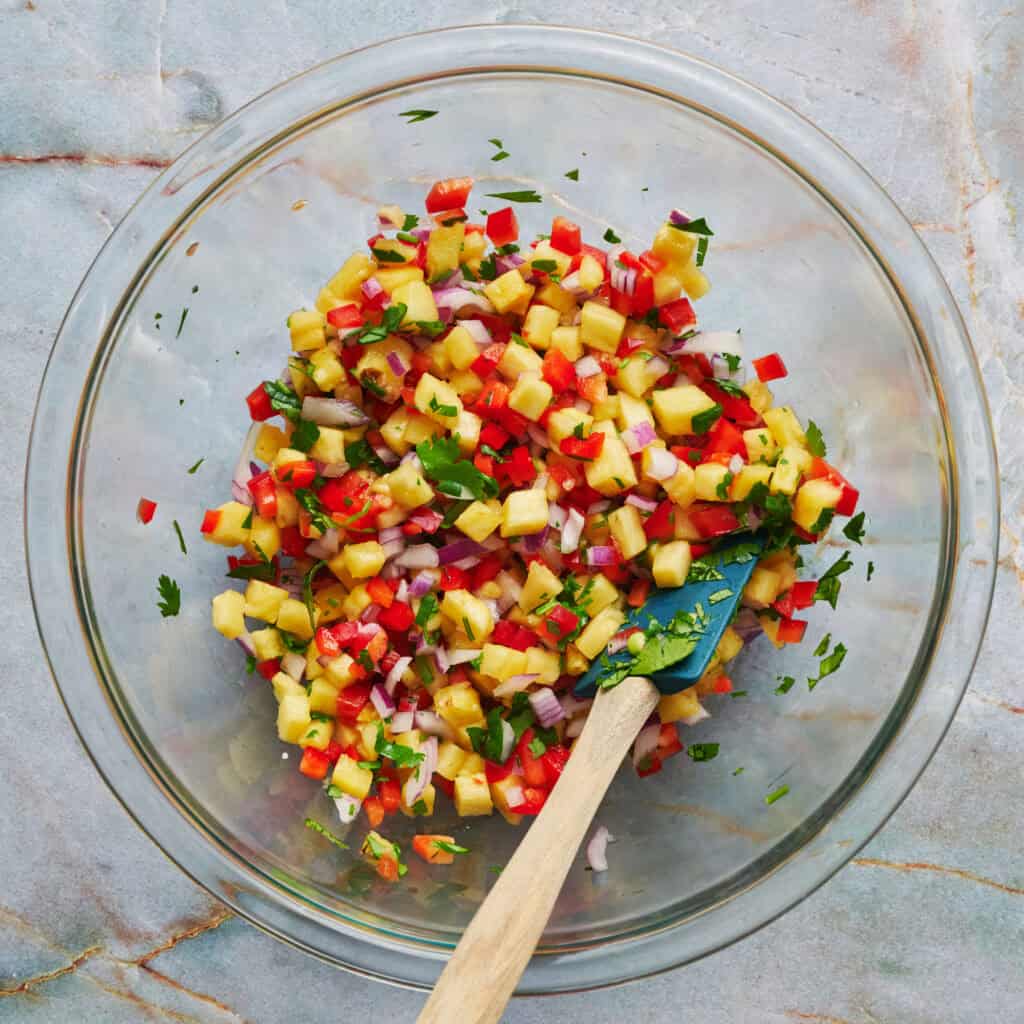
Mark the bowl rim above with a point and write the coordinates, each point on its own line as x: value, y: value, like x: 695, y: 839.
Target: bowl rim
x: 211, y: 161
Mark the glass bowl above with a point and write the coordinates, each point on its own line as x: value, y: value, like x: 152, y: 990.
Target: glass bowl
x: 809, y: 257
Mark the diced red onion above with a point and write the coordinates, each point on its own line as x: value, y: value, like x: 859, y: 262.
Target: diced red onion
x: 385, y: 454
x: 644, y: 504
x: 747, y: 625
x: 325, y: 546
x: 503, y: 264
x: 455, y: 551
x: 333, y: 412
x: 646, y: 742
x: 661, y: 463
x: 735, y: 464
x: 402, y: 593
x: 698, y: 716
x: 588, y: 366
x: 398, y: 368
x: 492, y: 607
x: 478, y: 331
x: 572, y: 531
x: 394, y: 548
x: 390, y: 533
x: 493, y: 543
x: 462, y: 656
x: 462, y: 298
x: 402, y: 721
x: 334, y: 469
x: 514, y: 796
x: 510, y: 591
x: 421, y: 584
x: 423, y: 773
x: 382, y: 701
x: 538, y: 435
x: 419, y: 556
x: 514, y: 684
x: 582, y: 405
x: 434, y: 725
x: 371, y: 289
x: 637, y: 437
x: 422, y: 233
x: 245, y: 642
x: 573, y: 705
x: 413, y: 459
x: 556, y: 516
x: 441, y: 657
x: 243, y: 470
x: 679, y: 218
x: 571, y: 283
x: 597, y: 849
x: 390, y: 570
x: 533, y: 542
x: 422, y: 647
x: 394, y: 677
x: 370, y: 613
x: 508, y: 741
x: 711, y: 343
x: 658, y: 367
x: 540, y: 483
x: 427, y: 519
x: 348, y: 808
x: 597, y: 507
x: 546, y: 707
x: 468, y: 563
x: 575, y: 727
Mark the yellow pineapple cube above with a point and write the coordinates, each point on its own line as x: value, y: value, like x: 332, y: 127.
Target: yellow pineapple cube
x: 747, y: 479
x: 793, y: 463
x: 340, y: 671
x: 329, y: 447
x: 264, y: 538
x: 525, y: 512
x: 269, y: 442
x: 632, y: 411
x: 539, y: 324
x: 501, y: 789
x: 308, y: 330
x: 555, y: 296
x: 598, y: 631
x: 671, y: 563
x: 677, y: 706
x: 567, y: 341
x: 508, y: 291
x: 437, y: 400
x: 474, y: 762
x: 287, y: 508
x: 263, y: 600
x: 404, y: 250
x: 501, y: 662
x: 424, y: 805
x: 762, y: 588
x: 479, y: 520
x: 472, y: 795
x: 668, y: 285
x: 541, y: 585
x: 602, y: 594
x: 814, y: 499
x: 323, y: 697
x: 761, y: 446
x: 601, y: 327
x: 419, y: 428
x: 544, y: 254
x: 530, y: 396
x: 682, y: 487
x: 229, y: 531
x: 373, y: 366
x: 711, y: 480
x: 635, y: 377
x: 466, y: 383
x: 546, y: 665
x: 357, y: 601
x: 328, y: 372
x: 351, y: 779
x: 575, y: 662
x: 591, y: 273
x: 458, y: 704
x: 444, y: 250
x: 267, y: 644
x: 563, y: 423
x: 408, y: 487
x: 674, y: 245
x: 450, y: 757
x: 345, y: 285
x: 293, y: 718
x: 227, y: 614
x: 393, y: 431
x: 469, y: 613
x: 677, y: 407
x: 628, y: 530
x: 695, y: 282
x: 785, y: 427
x: 364, y: 560
x: 418, y: 299
x: 519, y: 359
x: 314, y: 670
x: 318, y: 735
x: 328, y: 602
x: 473, y: 249
x: 612, y: 471
x: 391, y: 278
x: 461, y: 348
x: 293, y: 617
x: 285, y: 686
x: 730, y: 645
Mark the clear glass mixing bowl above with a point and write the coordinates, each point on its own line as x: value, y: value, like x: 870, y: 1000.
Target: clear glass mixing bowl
x: 809, y: 257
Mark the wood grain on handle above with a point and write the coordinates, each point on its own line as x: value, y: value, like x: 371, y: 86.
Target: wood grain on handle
x: 496, y: 947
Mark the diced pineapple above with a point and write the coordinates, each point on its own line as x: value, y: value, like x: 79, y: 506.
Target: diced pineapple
x: 501, y: 662
x: 480, y: 519
x: 635, y: 377
x: 601, y: 327
x: 606, y: 409
x: 227, y: 614
x: 229, y: 531
x: 530, y: 396
x: 468, y: 613
x: 555, y: 296
x: 458, y: 704
x: 676, y: 408
x: 450, y: 757
x: 668, y: 285
x: 628, y: 530
x: 633, y: 411
x: 267, y: 644
x: 341, y: 671
x: 472, y: 795
x: 546, y: 665
x: 461, y: 348
x: 575, y: 662
x: 314, y: 670
x: 508, y: 291
x: 474, y: 762
x: 264, y: 538
x: 466, y: 383
x: 293, y: 718
x: 598, y: 631
x: 814, y: 499
x: 747, y: 479
x: 366, y: 738
x: 677, y: 706
x: 328, y: 372
x: 424, y: 804
x: 437, y: 400
x: 393, y: 215
x: 293, y: 617
x: 393, y: 431
x: 391, y: 278
x: 563, y: 423
x: 759, y: 395
x: 263, y: 600
x: 350, y: 778
x: 501, y: 789
x: 711, y: 481
x: 695, y: 282
x: 671, y: 563
x: 771, y: 629
x: 518, y: 359
x: 525, y: 512
x: 761, y: 446
x: 674, y: 245
x: 329, y: 447
x: 269, y: 442
x: 444, y: 250
x: 762, y: 588
x: 287, y: 508
x: 539, y: 324
x: 418, y: 299
x: 344, y: 286
x: 567, y: 341
x: 793, y: 463
x: 318, y: 735
x: 364, y: 560
x: 591, y: 273
x: 544, y: 253
x: 602, y: 593
x: 356, y: 603
x: 612, y: 471
x: 308, y: 330
x: 419, y: 428
x: 785, y: 427
x: 730, y: 645
x: 408, y: 487
x: 682, y: 487
x: 285, y: 686
x: 541, y: 585
x: 323, y: 697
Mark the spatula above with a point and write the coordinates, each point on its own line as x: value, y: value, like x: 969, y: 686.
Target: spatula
x: 496, y: 947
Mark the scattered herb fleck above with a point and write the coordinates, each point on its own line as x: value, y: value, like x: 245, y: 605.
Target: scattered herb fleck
x: 777, y: 794
x: 415, y: 116
x: 181, y: 536
x: 170, y: 594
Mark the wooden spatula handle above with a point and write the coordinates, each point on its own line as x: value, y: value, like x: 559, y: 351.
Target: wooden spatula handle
x: 483, y: 971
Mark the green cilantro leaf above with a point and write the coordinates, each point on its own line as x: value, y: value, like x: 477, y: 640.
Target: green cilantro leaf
x: 361, y: 453
x: 525, y: 196
x: 181, y: 536
x: 828, y: 665
x: 283, y: 399
x: 829, y: 584
x: 778, y: 794
x: 488, y: 743
x: 432, y: 328
x: 304, y: 436
x: 815, y: 442
x: 315, y: 826
x: 443, y: 844
x: 787, y: 684
x: 500, y: 156
x: 823, y: 646
x: 732, y: 361
x: 428, y: 609
x: 170, y: 594
x: 694, y: 227
x: 720, y: 595
x: 854, y: 529
x: 415, y: 116
x: 442, y: 464
x: 705, y: 420
x: 442, y: 410
x: 545, y: 266
x: 702, y: 751
x: 574, y: 174
x: 871, y: 571
x: 391, y: 320
x: 411, y: 220
x: 307, y: 591
x: 403, y: 756
x: 196, y: 465
x: 387, y: 256
x: 612, y: 238
x: 702, y: 251
x: 311, y: 503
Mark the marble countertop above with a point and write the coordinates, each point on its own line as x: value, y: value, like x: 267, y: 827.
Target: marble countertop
x: 926, y: 925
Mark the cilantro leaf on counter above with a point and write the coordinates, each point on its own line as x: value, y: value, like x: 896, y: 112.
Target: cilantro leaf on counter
x: 854, y: 529
x: 170, y: 594
x: 415, y: 116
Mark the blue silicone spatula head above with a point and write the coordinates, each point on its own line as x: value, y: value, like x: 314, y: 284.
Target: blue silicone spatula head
x: 716, y: 599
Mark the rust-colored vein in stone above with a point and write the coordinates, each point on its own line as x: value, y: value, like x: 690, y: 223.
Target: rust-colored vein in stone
x: 1005, y: 705
x: 98, y: 159
x: 815, y: 1018
x: 215, y: 920
x: 152, y: 1011
x: 190, y: 992
x: 938, y: 869
x: 41, y: 979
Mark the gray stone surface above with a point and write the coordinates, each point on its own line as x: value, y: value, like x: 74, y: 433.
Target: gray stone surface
x: 925, y: 926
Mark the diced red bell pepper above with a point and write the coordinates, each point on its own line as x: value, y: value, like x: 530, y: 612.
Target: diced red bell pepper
x: 494, y: 435
x: 677, y: 315
x: 783, y: 604
x: 502, y: 226
x: 593, y: 389
x: 510, y: 634
x: 655, y: 264
x: 558, y: 371
x: 211, y: 517
x: 557, y: 624
x: 344, y: 495
x: 533, y: 770
x: 352, y: 700
x: 454, y: 578
x: 334, y: 751
x: 848, y: 501
x: 314, y: 763
x: 849, y: 495
x: 398, y: 618
x: 326, y: 642
x: 553, y: 761
x: 660, y: 524
x: 712, y: 519
x: 486, y: 570
x: 146, y: 509
x: 269, y: 668
x: 643, y: 294
x: 446, y: 786
x: 735, y: 408
x: 565, y: 236
x: 726, y: 438
x: 628, y: 346
x: 770, y: 367
x: 264, y: 494
x: 791, y: 631
x: 587, y: 448
x: 296, y: 475
x: 518, y: 468
x: 293, y: 543
x: 803, y: 534
x: 649, y: 766
x: 497, y: 772
x: 590, y: 250
x: 668, y: 741
x: 379, y: 592
x: 374, y: 815
x: 534, y: 799
x: 259, y: 404
x: 722, y: 458
x: 485, y: 463
x: 638, y: 593
x: 486, y: 363
x: 620, y: 301
x: 390, y: 793
x: 492, y: 399
x: 698, y: 549
x: 723, y: 684
x: 803, y: 593
x: 346, y: 317
x: 449, y: 194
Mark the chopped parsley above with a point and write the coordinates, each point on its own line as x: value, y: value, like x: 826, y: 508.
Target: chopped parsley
x: 545, y: 266
x: 317, y: 515
x: 403, y: 756
x: 702, y: 751
x: 455, y: 476
x: 196, y: 465
x: 525, y: 196
x: 704, y: 421
x: 786, y: 684
x: 283, y: 399
x: 392, y: 319
x: 815, y: 442
x: 361, y: 453
x: 415, y: 116
x: 502, y: 155
x: 665, y: 646
x: 304, y: 436
x: 828, y: 665
x: 610, y: 237
x: 427, y: 610
x: 443, y: 844
x: 442, y: 410
x: 830, y: 584
x: 181, y: 538
x: 388, y: 256
x: 777, y: 794
x: 854, y: 529
x: 315, y: 826
x: 170, y: 594
x: 574, y: 174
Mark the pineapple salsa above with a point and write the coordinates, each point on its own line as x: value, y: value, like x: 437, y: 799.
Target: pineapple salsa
x: 486, y: 450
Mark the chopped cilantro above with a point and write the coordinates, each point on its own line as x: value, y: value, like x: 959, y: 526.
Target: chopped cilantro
x: 442, y: 464
x: 415, y: 116
x: 387, y: 256
x: 326, y: 833
x: 871, y: 570
x: 815, y: 442
x: 317, y: 515
x: 702, y: 751
x: 704, y: 421
x: 403, y: 756
x: 170, y: 594
x: 283, y: 399
x: 432, y: 328
x: 422, y: 665
x: 468, y: 628
x: 442, y: 410
x: 702, y: 251
x: 181, y: 538
x: 720, y: 595
x: 829, y: 584
x: 738, y: 771
x: 411, y: 220
x: 525, y: 196
x: 787, y: 683
x: 823, y: 646
x: 828, y: 665
x: 420, y: 808
x: 732, y: 361
x: 443, y: 844
x: 722, y: 489
x: 181, y: 322
x: 307, y: 591
x: 574, y: 174
x: 488, y: 267
x: 361, y: 453
x: 777, y: 794
x: 501, y: 156
x: 293, y: 643
x: 304, y: 436
x: 665, y: 646
x: 545, y: 266
x: 196, y: 465
x: 694, y: 227
x: 488, y: 743
x: 427, y: 610
x: 854, y: 529
x: 392, y: 319
x: 611, y: 237
x: 737, y: 693
x: 821, y: 524
x: 497, y: 143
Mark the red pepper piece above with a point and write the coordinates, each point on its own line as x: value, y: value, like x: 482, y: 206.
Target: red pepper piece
x: 345, y: 318
x: 449, y: 194
x: 453, y: 578
x: 587, y: 448
x: 146, y: 509
x: 494, y: 435
x: 678, y: 315
x: 352, y: 700
x: 314, y: 763
x: 211, y: 517
x: 264, y: 494
x: 502, y: 226
x: 509, y: 634
x: 557, y: 624
x: 296, y: 475
x: 398, y: 618
x: 259, y: 404
x: 735, y: 408
x: 712, y: 519
x: 660, y: 524
x: 770, y: 367
x: 379, y: 592
x: 565, y: 236
x: 553, y: 761
x: 558, y: 371
x: 791, y: 631
x: 269, y: 668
